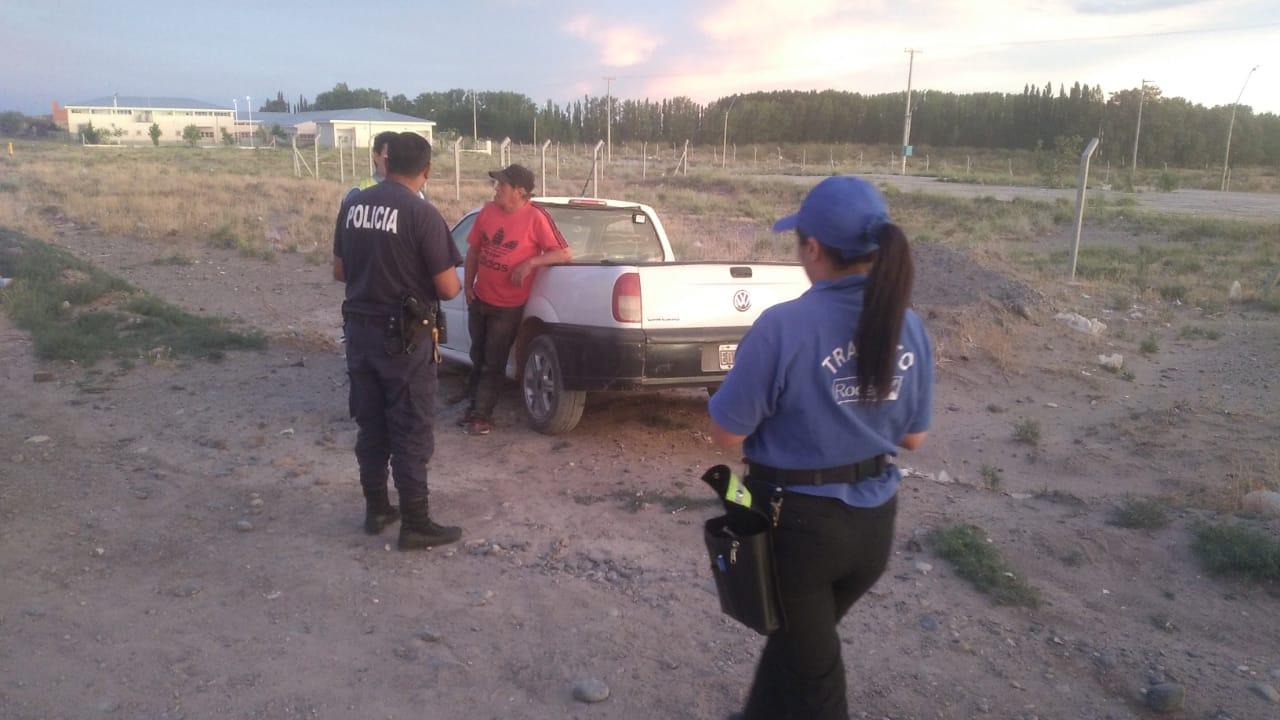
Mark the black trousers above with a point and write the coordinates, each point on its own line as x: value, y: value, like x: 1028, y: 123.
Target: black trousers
x: 493, y: 331
x: 393, y: 402
x: 828, y: 554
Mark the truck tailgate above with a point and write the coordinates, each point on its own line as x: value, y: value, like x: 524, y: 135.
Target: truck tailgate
x: 703, y: 295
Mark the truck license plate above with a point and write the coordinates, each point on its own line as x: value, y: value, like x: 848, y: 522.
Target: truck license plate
x: 726, y: 356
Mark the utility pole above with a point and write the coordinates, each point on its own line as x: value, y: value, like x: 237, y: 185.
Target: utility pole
x: 1226, y: 159
x: 1137, y: 130
x: 906, y: 120
x: 608, y: 123
x: 248, y: 103
x: 724, y: 142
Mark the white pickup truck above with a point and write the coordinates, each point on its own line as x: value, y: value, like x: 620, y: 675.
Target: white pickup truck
x: 624, y: 315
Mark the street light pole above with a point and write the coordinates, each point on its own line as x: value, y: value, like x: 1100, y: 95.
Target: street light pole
x: 608, y: 123
x: 906, y: 120
x: 724, y: 143
x: 1226, y: 159
x: 1137, y: 130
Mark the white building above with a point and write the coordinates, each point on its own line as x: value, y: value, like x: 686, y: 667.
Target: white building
x: 127, y: 120
x: 346, y: 127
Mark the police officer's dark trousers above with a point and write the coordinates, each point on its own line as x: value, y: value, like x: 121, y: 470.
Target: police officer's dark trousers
x: 493, y: 331
x: 393, y: 402
x: 828, y: 554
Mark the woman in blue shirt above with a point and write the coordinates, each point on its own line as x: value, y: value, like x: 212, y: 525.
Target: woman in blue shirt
x: 826, y: 388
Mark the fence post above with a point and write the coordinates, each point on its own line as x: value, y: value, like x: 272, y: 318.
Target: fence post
x: 644, y: 160
x: 342, y: 169
x: 457, y: 169
x: 504, y: 152
x: 684, y: 158
x: 595, y: 170
x: 557, y: 161
x: 1083, y: 182
x: 544, y: 166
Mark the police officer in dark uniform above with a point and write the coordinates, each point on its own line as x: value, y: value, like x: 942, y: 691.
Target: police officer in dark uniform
x: 826, y: 388
x: 394, y: 252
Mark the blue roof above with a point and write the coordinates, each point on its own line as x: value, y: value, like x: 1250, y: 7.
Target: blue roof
x: 133, y: 101
x: 347, y: 115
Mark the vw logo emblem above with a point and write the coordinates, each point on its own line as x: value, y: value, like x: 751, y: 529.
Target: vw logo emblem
x: 742, y: 301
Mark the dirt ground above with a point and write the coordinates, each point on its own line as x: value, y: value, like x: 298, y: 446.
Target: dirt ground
x: 185, y: 541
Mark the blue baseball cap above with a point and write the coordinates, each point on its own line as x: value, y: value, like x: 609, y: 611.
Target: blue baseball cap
x: 843, y: 212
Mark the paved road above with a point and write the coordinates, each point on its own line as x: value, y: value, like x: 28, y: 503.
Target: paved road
x: 1237, y: 205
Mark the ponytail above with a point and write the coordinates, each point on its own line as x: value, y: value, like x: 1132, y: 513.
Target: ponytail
x: 885, y: 301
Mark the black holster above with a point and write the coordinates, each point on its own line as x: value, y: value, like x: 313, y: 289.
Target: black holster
x: 413, y: 327
x: 740, y: 546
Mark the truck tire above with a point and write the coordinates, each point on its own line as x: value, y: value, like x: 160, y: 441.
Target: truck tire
x: 552, y: 409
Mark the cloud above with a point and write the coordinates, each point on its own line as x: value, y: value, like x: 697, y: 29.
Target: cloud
x: 750, y: 45
x: 618, y: 45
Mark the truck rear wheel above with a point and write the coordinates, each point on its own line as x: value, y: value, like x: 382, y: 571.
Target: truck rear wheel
x: 552, y: 409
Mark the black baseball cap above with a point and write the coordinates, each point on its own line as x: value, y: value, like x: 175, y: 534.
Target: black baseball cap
x: 515, y: 176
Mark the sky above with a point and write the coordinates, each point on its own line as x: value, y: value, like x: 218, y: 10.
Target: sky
x: 74, y: 50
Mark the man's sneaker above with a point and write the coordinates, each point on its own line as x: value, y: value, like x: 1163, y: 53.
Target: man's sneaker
x: 424, y: 534
x: 466, y: 418
x: 377, y: 519
x: 478, y: 426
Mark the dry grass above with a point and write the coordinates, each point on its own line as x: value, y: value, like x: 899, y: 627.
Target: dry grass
x: 982, y: 334
x: 1226, y: 494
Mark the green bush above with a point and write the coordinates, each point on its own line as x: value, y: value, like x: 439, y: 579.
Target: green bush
x: 1026, y: 430
x: 979, y: 562
x: 1238, y: 550
x: 190, y: 135
x: 1140, y: 514
x: 1167, y: 182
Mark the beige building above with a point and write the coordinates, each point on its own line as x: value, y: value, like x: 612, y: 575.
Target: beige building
x: 128, y: 120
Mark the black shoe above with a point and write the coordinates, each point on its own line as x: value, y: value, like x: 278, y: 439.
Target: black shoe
x: 376, y: 519
x: 428, y: 534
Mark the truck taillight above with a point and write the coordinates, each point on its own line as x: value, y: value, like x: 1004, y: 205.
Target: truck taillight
x: 626, y: 298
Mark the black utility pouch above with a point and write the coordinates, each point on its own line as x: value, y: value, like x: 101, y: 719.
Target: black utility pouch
x: 393, y: 337
x: 746, y: 579
x: 740, y: 546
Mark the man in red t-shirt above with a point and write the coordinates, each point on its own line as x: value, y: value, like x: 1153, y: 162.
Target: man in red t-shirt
x: 511, y: 238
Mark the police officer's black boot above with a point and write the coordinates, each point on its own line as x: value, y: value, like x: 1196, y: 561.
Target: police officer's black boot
x: 378, y: 511
x: 419, y: 532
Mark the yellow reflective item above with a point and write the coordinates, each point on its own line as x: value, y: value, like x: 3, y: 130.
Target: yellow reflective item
x: 737, y: 491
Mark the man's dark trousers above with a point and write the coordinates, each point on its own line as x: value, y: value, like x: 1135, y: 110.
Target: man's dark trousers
x: 493, y: 331
x: 393, y: 402
x: 828, y: 554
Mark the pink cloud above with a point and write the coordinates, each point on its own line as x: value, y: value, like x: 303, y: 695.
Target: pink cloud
x: 618, y: 45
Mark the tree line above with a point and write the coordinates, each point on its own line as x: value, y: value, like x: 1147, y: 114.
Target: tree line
x: 1174, y: 130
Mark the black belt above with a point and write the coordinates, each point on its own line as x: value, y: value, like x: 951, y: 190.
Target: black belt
x: 367, y: 320
x: 871, y: 467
